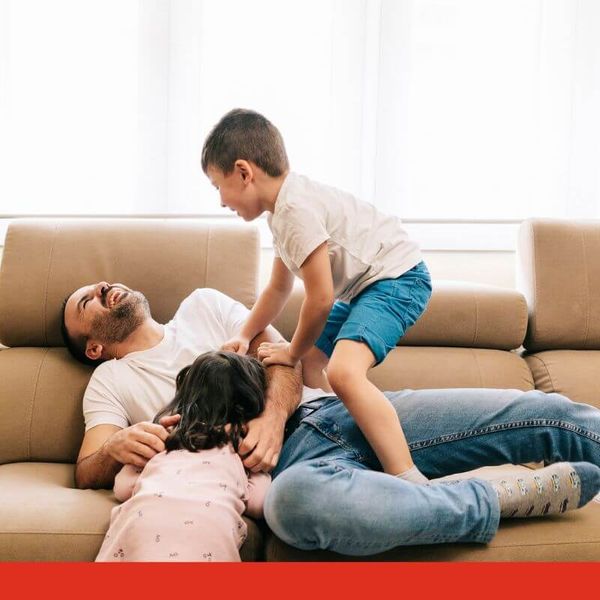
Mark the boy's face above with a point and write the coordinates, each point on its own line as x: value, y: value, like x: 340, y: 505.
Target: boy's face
x: 237, y: 190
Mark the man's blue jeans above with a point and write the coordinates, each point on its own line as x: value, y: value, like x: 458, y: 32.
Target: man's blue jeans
x: 328, y: 491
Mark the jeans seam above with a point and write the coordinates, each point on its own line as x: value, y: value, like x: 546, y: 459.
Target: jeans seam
x: 339, y: 441
x: 556, y: 423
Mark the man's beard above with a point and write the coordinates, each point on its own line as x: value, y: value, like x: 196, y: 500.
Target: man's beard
x: 122, y: 320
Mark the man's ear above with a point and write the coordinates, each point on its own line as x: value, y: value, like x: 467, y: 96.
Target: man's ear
x: 244, y: 168
x: 93, y: 350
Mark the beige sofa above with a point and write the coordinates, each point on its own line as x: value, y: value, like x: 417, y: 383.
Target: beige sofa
x: 468, y: 337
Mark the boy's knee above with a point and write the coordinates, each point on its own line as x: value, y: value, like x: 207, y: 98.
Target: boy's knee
x: 341, y: 375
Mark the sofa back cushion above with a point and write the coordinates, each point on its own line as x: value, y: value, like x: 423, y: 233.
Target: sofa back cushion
x: 465, y: 338
x: 41, y: 386
x: 45, y: 260
x: 559, y: 272
x: 459, y: 314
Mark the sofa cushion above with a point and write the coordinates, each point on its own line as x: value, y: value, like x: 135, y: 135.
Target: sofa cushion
x: 40, y: 404
x: 573, y: 373
x: 44, y: 518
x: 560, y: 275
x: 44, y: 260
x: 459, y: 314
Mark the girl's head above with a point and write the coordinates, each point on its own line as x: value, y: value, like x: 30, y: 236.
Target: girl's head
x: 216, y: 396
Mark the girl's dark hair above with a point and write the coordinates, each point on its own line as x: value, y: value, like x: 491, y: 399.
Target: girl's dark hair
x: 216, y: 396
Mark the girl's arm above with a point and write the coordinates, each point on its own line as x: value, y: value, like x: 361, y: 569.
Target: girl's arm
x: 258, y: 484
x: 125, y: 482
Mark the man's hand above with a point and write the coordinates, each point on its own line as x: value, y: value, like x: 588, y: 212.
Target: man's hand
x: 276, y: 354
x: 261, y: 446
x: 137, y: 444
x: 237, y: 344
x: 169, y: 421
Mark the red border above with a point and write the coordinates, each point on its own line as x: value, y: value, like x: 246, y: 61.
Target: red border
x: 308, y: 581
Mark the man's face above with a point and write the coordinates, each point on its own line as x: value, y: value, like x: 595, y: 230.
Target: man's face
x: 105, y: 313
x: 237, y: 191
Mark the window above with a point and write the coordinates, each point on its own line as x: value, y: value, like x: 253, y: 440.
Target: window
x: 444, y: 110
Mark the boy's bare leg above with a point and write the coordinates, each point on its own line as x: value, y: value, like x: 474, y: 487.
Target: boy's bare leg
x: 371, y: 410
x: 314, y: 364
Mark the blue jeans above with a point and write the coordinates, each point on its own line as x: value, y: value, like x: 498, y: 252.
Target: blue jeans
x: 328, y: 491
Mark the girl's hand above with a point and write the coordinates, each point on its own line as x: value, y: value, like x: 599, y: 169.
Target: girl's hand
x: 237, y: 344
x: 276, y: 354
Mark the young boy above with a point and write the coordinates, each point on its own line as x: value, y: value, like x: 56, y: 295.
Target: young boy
x: 344, y: 250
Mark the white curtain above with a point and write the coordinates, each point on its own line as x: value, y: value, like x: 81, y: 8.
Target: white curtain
x: 431, y: 109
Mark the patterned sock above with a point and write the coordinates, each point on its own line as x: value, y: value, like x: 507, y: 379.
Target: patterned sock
x: 551, y: 490
x: 414, y: 476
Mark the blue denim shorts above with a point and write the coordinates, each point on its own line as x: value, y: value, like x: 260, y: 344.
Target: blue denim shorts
x: 380, y: 315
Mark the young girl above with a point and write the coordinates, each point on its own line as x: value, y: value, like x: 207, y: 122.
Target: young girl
x: 186, y: 504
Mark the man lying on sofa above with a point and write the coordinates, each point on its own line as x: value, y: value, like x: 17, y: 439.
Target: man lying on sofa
x: 328, y: 491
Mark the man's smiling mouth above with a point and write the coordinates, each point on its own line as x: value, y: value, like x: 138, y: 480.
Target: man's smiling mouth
x: 114, y: 296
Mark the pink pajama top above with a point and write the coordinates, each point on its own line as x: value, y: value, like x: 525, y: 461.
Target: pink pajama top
x: 183, y: 506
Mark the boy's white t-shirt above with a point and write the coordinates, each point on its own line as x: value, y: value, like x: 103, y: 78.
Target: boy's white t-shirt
x: 134, y: 388
x: 364, y: 245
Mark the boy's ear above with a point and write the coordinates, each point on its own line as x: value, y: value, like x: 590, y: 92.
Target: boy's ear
x: 244, y: 168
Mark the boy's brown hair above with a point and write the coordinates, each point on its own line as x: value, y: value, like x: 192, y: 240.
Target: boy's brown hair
x: 247, y: 135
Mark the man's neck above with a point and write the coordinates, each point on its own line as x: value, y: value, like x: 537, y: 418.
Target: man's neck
x: 146, y: 336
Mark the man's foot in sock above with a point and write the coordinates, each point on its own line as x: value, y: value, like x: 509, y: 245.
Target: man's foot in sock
x: 548, y: 491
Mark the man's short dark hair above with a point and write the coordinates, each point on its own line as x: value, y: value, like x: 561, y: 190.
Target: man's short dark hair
x: 75, y: 344
x: 247, y: 135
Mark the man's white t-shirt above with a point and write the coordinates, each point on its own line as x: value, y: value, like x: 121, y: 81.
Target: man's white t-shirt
x: 134, y: 388
x: 364, y: 245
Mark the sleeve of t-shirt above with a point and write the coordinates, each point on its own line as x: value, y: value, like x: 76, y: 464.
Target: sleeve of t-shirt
x: 101, y: 405
x: 304, y: 231
x: 233, y: 314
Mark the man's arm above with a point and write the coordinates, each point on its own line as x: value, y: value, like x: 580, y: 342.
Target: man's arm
x: 106, y: 448
x: 262, y: 444
x: 95, y: 468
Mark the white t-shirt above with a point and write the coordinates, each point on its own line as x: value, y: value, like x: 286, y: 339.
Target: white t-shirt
x: 134, y: 388
x: 364, y: 245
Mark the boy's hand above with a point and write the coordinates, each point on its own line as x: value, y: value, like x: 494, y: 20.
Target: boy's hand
x: 238, y: 344
x: 276, y: 354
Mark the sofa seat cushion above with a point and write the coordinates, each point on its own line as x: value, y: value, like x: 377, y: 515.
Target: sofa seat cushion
x: 573, y: 536
x: 43, y: 517
x: 573, y: 373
